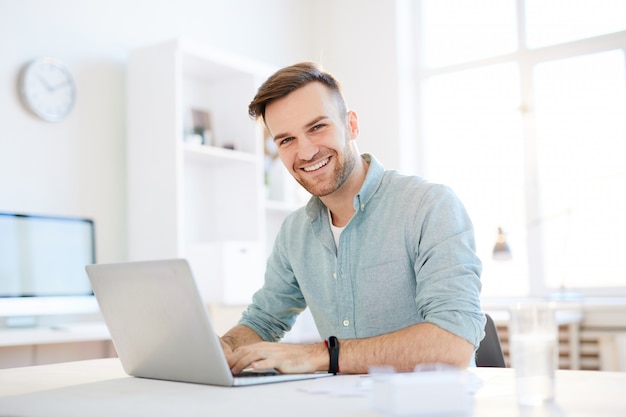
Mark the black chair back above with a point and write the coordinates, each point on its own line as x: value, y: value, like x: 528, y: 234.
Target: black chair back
x: 489, y: 353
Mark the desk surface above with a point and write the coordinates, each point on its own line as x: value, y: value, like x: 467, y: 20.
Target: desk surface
x: 101, y: 388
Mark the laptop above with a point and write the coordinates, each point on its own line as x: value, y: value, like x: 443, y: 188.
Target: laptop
x: 160, y: 327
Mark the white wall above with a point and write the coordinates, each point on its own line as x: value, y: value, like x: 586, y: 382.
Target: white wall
x: 358, y: 45
x: 76, y: 167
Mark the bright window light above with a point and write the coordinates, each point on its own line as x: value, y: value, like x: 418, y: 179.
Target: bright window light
x: 532, y: 140
x: 457, y: 31
x: 581, y: 154
x: 473, y: 125
x: 550, y: 22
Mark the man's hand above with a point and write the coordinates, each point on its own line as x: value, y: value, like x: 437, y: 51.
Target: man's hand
x: 402, y: 349
x: 244, y: 348
x: 226, y: 347
x: 284, y: 357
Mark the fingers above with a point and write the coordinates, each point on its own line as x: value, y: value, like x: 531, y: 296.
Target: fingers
x: 234, y: 357
x: 253, y: 356
x: 284, y: 357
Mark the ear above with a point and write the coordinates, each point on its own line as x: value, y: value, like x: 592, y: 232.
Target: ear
x: 353, y: 124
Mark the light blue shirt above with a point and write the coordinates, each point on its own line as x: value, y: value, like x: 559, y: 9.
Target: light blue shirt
x: 407, y: 256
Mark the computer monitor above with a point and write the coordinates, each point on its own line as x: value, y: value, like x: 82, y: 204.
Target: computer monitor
x: 42, y: 265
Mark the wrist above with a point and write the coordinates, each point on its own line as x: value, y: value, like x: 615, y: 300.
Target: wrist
x: 319, y: 357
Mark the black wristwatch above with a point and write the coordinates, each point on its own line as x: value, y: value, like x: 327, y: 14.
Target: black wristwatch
x: 333, y: 351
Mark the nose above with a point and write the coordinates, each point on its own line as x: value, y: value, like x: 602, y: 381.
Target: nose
x: 306, y: 148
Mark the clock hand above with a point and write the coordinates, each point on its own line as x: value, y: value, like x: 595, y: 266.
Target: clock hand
x: 56, y: 87
x: 45, y: 83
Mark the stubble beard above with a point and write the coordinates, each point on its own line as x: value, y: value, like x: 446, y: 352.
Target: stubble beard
x: 344, y: 165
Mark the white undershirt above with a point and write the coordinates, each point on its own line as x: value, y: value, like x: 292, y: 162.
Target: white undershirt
x: 335, y: 229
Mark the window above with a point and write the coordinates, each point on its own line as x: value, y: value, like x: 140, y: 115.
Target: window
x: 523, y: 110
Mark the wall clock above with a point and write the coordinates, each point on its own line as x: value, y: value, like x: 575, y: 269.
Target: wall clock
x: 47, y: 89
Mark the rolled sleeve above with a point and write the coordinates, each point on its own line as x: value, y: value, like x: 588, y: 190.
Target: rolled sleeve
x: 447, y: 268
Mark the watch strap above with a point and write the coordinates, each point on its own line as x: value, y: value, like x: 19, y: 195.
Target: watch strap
x: 333, y: 352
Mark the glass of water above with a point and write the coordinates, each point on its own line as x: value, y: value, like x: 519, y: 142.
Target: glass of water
x: 533, y: 334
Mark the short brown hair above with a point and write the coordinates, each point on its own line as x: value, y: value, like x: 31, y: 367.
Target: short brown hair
x: 289, y: 79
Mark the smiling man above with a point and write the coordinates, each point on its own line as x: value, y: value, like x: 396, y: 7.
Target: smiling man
x: 385, y: 262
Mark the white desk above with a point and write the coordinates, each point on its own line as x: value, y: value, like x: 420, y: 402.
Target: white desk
x: 100, y: 388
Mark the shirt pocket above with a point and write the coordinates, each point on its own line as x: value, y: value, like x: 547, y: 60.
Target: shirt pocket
x: 385, y: 294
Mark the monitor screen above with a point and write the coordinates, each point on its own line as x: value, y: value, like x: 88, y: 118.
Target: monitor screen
x: 45, y: 256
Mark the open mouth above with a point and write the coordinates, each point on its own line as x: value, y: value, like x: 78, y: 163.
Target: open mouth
x: 316, y: 166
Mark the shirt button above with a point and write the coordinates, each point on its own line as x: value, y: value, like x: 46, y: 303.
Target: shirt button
x: 346, y: 323
x: 335, y: 275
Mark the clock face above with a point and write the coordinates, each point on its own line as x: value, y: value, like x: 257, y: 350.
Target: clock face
x: 47, y: 88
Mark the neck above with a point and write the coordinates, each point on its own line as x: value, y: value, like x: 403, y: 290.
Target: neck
x: 341, y: 202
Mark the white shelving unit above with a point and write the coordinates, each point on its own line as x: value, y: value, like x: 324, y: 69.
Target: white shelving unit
x: 184, y: 196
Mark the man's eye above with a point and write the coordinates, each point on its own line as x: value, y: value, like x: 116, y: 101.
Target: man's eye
x: 284, y: 141
x: 317, y: 127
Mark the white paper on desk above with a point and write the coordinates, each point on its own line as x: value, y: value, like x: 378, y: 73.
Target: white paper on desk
x: 361, y: 385
x: 420, y: 393
x: 340, y: 386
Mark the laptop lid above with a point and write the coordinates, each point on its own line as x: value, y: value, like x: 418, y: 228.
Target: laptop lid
x: 160, y: 327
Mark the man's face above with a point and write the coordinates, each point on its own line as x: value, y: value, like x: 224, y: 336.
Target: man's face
x: 314, y: 139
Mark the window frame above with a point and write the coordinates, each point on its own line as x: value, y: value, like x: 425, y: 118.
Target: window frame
x: 526, y: 59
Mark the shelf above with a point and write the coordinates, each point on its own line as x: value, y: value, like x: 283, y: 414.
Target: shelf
x: 212, y: 154
x: 203, y: 62
x: 183, y: 194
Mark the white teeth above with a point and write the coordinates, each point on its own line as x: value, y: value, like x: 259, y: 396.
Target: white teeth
x: 316, y: 166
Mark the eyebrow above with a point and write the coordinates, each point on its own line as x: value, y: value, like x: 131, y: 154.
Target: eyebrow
x: 306, y: 126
